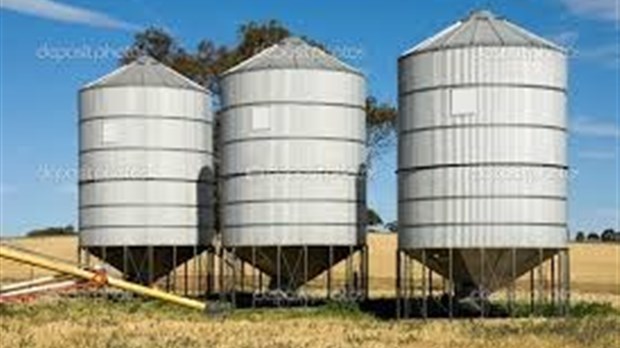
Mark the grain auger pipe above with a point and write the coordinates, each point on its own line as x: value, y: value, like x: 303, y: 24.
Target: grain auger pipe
x: 99, y: 278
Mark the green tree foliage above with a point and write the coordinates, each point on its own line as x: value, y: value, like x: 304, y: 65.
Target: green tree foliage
x: 608, y: 235
x: 381, y: 122
x: 580, y: 237
x: 592, y: 236
x: 52, y: 231
x: 209, y: 60
x: 373, y: 217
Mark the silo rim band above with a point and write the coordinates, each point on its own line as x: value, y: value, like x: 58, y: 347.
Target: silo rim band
x: 295, y: 138
x: 94, y: 227
x: 144, y: 117
x: 482, y: 84
x: 292, y: 102
x: 483, y: 125
x: 343, y: 71
x: 145, y: 205
x: 180, y: 180
x: 439, y: 198
x: 481, y: 164
x: 466, y: 46
x: 474, y: 224
x: 202, y: 90
x: 292, y: 172
x: 290, y: 224
x: 199, y: 245
x: 145, y: 148
x: 294, y: 200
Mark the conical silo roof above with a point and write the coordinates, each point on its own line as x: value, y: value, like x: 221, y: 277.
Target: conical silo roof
x: 482, y: 28
x: 145, y: 72
x: 292, y: 53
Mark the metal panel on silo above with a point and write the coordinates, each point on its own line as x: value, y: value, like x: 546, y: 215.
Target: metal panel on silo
x: 293, y: 153
x: 146, y: 169
x: 482, y: 151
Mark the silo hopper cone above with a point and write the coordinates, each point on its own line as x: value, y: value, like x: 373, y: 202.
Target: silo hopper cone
x: 488, y: 270
x: 136, y: 266
x: 293, y: 274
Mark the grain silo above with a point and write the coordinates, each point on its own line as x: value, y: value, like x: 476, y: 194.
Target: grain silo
x: 293, y: 168
x: 146, y: 169
x: 482, y: 162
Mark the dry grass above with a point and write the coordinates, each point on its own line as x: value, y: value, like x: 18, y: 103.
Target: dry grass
x: 78, y: 323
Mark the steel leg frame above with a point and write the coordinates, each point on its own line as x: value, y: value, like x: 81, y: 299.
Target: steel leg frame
x: 354, y: 287
x: 549, y: 282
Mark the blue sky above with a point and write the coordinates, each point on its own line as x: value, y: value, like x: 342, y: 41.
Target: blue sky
x: 38, y: 85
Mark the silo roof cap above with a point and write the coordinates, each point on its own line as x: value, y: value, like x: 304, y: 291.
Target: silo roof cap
x: 292, y: 53
x: 482, y: 28
x: 145, y: 71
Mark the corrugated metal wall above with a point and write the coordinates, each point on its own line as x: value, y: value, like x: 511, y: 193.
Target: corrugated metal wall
x: 293, y: 147
x: 482, y: 148
x: 146, y: 166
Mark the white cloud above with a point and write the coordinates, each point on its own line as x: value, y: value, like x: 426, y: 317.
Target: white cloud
x: 598, y: 155
x: 592, y: 128
x: 597, y: 9
x: 608, y: 55
x: 65, y: 13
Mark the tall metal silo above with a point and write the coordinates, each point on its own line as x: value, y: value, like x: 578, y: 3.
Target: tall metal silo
x: 146, y: 169
x: 293, y: 138
x: 482, y: 160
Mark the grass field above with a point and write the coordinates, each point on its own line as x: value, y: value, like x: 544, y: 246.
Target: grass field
x: 71, y: 323
x: 99, y: 323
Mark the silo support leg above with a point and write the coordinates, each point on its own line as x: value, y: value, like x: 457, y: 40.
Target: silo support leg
x: 185, y: 278
x: 451, y: 283
x: 540, y: 286
x: 233, y: 286
x: 125, y: 261
x: 253, y: 276
x: 481, y: 288
x: 365, y: 272
x: 513, y: 280
x: 222, y: 276
x: 399, y: 294
x: 279, y: 272
x: 565, y: 282
x: 196, y: 278
x: 424, y: 294
x: 305, y: 256
x: 329, y: 272
x: 532, y: 291
x: 552, y: 280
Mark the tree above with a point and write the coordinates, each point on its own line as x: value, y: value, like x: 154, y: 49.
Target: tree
x: 52, y: 231
x: 380, y: 122
x: 373, y: 218
x: 580, y: 237
x: 592, y: 236
x: 210, y: 60
x: 155, y: 42
x: 608, y: 235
